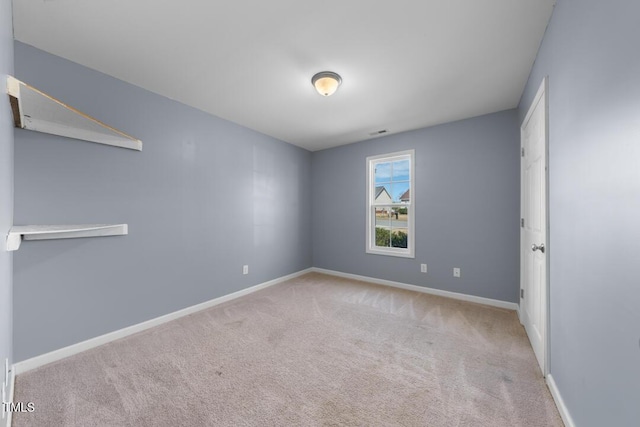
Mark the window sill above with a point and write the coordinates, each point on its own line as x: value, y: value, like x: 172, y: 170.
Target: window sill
x: 399, y: 254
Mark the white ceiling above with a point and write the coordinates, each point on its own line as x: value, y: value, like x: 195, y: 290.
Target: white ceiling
x: 405, y: 64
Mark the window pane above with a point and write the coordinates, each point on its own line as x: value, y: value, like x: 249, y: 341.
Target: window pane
x: 382, y: 172
x: 400, y: 192
x: 383, y: 226
x: 389, y: 194
x: 400, y: 227
x: 382, y: 194
x: 401, y: 170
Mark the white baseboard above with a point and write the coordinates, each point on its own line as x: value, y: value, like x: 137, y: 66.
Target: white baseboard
x: 425, y: 290
x: 37, y: 361
x: 9, y: 398
x: 557, y: 397
x: 12, y: 387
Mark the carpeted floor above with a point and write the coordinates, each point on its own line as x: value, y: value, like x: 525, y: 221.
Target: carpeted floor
x: 316, y: 350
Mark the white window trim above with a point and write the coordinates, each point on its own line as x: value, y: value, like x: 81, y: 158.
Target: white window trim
x: 371, y: 248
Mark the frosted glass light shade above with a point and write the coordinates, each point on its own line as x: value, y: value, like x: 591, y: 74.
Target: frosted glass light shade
x: 326, y: 82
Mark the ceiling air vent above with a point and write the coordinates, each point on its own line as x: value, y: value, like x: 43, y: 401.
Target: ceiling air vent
x: 378, y: 132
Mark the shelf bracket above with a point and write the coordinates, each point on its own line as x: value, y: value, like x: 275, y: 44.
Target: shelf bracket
x: 13, y: 241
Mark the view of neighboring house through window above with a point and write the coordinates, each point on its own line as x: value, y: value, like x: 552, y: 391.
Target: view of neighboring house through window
x: 390, y: 205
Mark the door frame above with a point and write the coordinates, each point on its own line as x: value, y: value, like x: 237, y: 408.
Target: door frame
x: 543, y: 91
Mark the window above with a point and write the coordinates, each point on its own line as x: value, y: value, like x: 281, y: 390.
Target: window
x: 390, y: 204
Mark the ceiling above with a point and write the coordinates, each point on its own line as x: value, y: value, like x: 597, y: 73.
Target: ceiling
x: 405, y: 64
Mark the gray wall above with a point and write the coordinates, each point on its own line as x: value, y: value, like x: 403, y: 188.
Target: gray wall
x: 467, y: 207
x: 591, y: 55
x: 204, y: 197
x: 6, y: 183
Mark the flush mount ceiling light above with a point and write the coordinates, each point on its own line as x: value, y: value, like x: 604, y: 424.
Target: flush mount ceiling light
x: 326, y: 82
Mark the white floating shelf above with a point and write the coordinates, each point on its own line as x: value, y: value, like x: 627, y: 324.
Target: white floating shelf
x: 46, y: 232
x: 35, y: 110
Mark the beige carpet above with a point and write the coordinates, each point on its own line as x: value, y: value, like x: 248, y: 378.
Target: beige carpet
x: 316, y: 350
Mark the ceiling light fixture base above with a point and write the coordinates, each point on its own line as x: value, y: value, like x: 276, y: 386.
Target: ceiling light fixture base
x: 326, y: 82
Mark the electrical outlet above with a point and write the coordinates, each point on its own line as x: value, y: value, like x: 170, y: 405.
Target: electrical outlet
x: 245, y: 269
x: 456, y: 272
x: 423, y: 268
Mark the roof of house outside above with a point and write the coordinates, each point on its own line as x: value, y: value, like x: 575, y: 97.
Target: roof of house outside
x: 379, y: 191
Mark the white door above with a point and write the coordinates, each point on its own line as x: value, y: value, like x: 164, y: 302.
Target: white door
x: 533, y: 231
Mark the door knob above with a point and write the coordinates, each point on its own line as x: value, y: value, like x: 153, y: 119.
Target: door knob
x: 539, y: 247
